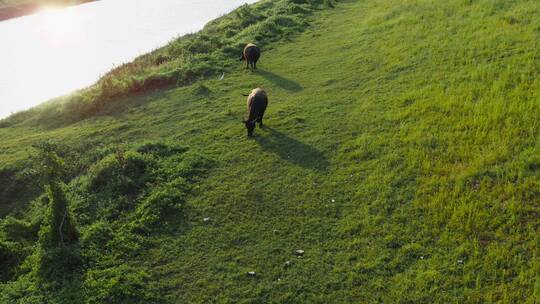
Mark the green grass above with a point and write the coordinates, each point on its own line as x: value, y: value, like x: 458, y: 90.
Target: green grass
x: 401, y: 153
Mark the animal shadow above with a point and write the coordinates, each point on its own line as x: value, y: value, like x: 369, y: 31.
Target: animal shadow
x: 292, y: 150
x: 282, y: 82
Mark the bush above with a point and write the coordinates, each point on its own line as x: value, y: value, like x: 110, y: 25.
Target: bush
x: 20, y: 231
x: 119, y: 284
x: 10, y: 257
x: 329, y: 3
x: 162, y: 206
x: 153, y: 179
x: 18, y: 182
x: 95, y: 237
x: 55, y: 266
x: 58, y: 228
x: 120, y: 173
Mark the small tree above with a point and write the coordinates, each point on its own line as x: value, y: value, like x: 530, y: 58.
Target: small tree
x: 57, y: 256
x: 58, y: 228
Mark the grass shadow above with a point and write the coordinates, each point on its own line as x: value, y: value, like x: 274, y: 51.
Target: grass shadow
x: 282, y: 82
x: 292, y: 150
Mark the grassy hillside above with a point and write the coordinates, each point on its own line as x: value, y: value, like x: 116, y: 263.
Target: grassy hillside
x: 401, y: 154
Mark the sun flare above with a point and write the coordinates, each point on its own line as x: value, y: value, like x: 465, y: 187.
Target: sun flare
x: 60, y: 26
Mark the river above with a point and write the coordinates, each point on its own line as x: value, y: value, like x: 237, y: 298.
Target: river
x: 58, y: 51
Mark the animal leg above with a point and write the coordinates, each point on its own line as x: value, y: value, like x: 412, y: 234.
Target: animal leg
x: 260, y: 122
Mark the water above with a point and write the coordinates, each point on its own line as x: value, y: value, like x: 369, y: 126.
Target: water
x: 57, y: 51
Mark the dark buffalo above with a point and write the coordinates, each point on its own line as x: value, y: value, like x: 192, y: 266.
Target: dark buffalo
x: 257, y: 102
x: 251, y: 55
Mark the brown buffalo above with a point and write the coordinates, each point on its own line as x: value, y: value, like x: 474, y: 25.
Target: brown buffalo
x: 257, y: 102
x: 251, y: 55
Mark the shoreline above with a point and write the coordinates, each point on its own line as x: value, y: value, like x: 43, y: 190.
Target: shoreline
x: 7, y: 13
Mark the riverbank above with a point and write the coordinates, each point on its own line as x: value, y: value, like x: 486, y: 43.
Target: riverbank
x: 10, y: 12
x: 73, y: 58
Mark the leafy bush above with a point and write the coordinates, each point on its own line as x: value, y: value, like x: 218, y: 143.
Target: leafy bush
x: 124, y: 197
x: 162, y: 206
x: 10, y: 258
x: 120, y: 173
x: 58, y: 228
x: 16, y: 230
x: 120, y: 284
x: 18, y: 185
x: 54, y: 266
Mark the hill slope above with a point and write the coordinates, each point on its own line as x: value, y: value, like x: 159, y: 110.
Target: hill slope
x: 401, y: 154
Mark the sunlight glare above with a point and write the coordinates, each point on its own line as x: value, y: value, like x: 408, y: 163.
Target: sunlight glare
x: 60, y: 50
x: 60, y: 26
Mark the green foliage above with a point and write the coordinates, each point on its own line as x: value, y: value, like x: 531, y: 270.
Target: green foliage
x: 121, y: 284
x: 18, y: 186
x: 162, y: 207
x: 55, y: 266
x: 166, y: 169
x: 23, y: 181
x: 10, y: 258
x: 400, y: 152
x: 17, y: 239
x: 153, y: 179
x: 49, y: 165
x: 329, y: 3
x: 56, y: 257
x: 58, y: 228
x: 118, y: 173
x: 17, y: 230
x: 95, y: 237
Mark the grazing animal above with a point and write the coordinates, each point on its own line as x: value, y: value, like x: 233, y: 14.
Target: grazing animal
x: 251, y: 55
x: 257, y: 102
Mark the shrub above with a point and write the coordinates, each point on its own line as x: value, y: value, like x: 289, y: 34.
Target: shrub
x: 153, y: 179
x: 10, y: 257
x: 58, y: 228
x: 55, y: 266
x: 20, y: 231
x: 120, y: 173
x: 329, y: 3
x: 162, y: 206
x: 119, y: 284
x: 96, y: 236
